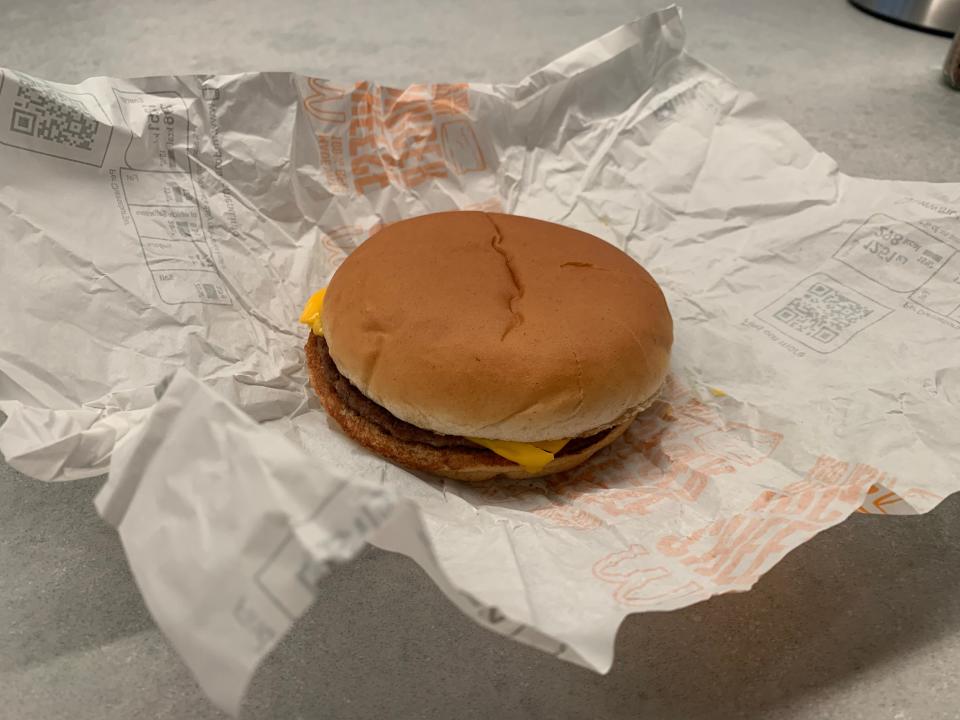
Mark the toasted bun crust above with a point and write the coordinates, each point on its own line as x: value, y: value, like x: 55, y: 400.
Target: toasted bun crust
x: 498, y: 326
x: 445, y: 462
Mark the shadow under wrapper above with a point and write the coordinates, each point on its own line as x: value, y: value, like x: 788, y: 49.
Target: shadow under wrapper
x: 64, y: 581
x: 382, y: 641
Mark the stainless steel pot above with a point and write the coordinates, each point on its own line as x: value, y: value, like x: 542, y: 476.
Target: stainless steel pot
x: 939, y: 16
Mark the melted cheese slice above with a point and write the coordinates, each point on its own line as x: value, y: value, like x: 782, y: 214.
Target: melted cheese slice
x: 532, y: 457
x: 311, y: 311
x: 552, y: 446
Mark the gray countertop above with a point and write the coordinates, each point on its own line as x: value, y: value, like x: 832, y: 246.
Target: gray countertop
x: 861, y: 622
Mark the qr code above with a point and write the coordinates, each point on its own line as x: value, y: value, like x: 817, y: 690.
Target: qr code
x: 44, y: 112
x: 822, y: 313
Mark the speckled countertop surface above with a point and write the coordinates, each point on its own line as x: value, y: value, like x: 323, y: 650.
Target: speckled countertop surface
x: 861, y: 622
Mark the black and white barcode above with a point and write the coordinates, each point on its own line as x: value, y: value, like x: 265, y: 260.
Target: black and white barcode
x: 42, y: 111
x: 822, y: 313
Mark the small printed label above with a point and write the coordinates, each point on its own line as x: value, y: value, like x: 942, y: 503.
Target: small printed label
x: 151, y: 188
x: 190, y: 286
x: 941, y: 294
x: 159, y: 130
x: 167, y: 220
x: 167, y: 223
x: 896, y: 254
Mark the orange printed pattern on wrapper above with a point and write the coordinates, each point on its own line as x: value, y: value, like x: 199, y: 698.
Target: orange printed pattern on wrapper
x: 570, y: 516
x: 894, y: 498
x: 371, y: 137
x: 493, y: 205
x: 639, y: 581
x: 666, y: 462
x: 881, y: 500
x: 325, y: 101
x: 677, y: 448
x: 921, y: 498
x: 669, y: 455
x: 338, y: 242
x: 732, y: 552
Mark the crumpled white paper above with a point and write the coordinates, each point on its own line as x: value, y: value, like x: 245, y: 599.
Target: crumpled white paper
x: 161, y: 235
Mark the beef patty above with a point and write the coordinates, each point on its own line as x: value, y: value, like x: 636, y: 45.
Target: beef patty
x: 402, y: 430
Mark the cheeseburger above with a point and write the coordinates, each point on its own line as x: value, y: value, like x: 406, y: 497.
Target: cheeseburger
x: 477, y: 345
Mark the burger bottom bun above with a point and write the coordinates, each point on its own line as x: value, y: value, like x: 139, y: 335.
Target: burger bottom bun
x: 453, y: 463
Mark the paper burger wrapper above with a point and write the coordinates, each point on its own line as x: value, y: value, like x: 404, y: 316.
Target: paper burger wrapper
x: 161, y: 235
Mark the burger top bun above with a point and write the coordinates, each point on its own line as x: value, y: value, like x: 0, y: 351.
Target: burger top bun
x: 498, y: 326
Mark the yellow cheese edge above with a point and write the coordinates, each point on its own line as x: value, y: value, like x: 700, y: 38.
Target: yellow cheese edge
x: 552, y: 446
x: 532, y: 457
x: 312, y: 310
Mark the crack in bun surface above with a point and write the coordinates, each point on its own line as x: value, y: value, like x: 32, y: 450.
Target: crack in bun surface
x: 473, y: 324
